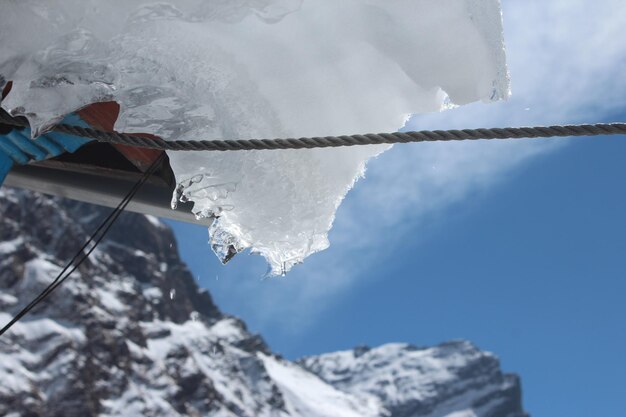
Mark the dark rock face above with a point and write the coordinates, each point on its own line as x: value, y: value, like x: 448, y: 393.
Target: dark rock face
x: 82, y: 347
x: 130, y: 333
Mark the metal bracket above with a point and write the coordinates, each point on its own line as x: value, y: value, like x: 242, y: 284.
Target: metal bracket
x: 153, y: 198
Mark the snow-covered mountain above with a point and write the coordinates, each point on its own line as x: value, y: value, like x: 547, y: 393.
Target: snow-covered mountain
x: 452, y: 379
x: 130, y: 334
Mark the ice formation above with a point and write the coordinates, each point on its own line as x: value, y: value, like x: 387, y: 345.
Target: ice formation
x: 225, y: 69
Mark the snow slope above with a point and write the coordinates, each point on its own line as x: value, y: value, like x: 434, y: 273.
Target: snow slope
x: 112, y: 341
x: 239, y: 69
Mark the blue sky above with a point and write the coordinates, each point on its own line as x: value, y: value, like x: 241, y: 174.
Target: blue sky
x: 519, y: 247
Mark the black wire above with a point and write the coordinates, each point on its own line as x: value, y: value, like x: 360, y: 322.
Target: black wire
x: 85, y: 245
x: 110, y: 218
x: 106, y: 224
x: 95, y: 237
x: 102, y: 229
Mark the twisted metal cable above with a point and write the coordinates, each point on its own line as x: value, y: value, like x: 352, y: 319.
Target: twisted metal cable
x: 598, y: 129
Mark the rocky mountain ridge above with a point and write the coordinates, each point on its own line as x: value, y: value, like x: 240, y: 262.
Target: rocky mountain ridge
x: 131, y: 334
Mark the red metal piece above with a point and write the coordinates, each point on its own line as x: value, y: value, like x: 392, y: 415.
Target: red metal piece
x: 103, y: 116
x: 6, y: 89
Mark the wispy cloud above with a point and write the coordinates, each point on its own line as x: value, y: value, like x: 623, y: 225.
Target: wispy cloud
x: 567, y: 60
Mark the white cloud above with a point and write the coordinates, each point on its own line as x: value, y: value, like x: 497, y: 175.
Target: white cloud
x: 567, y: 60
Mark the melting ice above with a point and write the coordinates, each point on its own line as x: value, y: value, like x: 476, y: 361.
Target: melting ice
x: 226, y: 69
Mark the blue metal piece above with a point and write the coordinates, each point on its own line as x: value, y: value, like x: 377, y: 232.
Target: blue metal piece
x: 17, y: 147
x: 6, y: 164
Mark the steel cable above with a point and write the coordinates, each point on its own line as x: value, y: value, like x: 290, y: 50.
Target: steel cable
x: 599, y: 129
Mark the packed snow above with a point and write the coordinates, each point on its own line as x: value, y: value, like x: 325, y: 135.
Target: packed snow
x: 307, y: 395
x: 215, y: 69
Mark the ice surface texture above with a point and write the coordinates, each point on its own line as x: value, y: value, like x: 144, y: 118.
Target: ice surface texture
x: 226, y: 69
